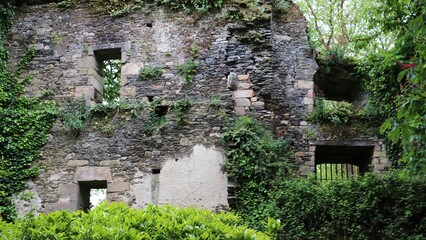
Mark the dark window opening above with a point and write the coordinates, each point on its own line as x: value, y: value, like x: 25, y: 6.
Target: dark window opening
x: 149, y: 25
x: 92, y: 194
x: 338, y: 84
x: 109, y: 69
x: 156, y: 171
x: 341, y: 162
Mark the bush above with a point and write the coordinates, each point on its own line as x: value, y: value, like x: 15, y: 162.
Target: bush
x: 118, y: 221
x: 370, y: 207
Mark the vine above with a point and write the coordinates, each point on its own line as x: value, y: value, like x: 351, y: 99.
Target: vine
x: 258, y: 163
x: 24, y: 126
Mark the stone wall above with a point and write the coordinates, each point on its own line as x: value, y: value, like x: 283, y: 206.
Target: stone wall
x: 264, y: 70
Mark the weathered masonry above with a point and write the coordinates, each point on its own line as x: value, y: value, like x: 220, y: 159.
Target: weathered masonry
x: 265, y: 70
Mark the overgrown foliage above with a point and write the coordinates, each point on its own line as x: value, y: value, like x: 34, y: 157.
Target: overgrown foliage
x: 387, y: 39
x: 74, y: 115
x: 181, y: 108
x: 150, y: 73
x: 24, y: 123
x: 258, y: 164
x: 120, y: 8
x: 188, y: 71
x: 118, y: 221
x: 369, y: 207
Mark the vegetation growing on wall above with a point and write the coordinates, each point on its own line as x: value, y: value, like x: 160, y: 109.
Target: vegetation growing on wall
x: 118, y: 221
x: 388, y: 47
x: 258, y: 164
x: 24, y: 123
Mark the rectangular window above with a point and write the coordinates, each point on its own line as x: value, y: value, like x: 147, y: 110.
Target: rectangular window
x: 341, y: 162
x: 91, y: 194
x: 109, y: 70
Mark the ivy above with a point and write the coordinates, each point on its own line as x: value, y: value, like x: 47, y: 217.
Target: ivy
x: 258, y: 164
x: 24, y: 123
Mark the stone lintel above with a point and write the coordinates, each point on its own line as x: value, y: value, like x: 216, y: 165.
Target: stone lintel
x: 88, y: 174
x: 342, y: 143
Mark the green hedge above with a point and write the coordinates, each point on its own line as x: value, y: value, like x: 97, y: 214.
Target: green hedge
x: 118, y: 221
x: 370, y: 207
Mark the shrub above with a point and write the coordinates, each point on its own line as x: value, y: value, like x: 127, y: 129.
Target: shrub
x: 371, y: 207
x: 118, y: 221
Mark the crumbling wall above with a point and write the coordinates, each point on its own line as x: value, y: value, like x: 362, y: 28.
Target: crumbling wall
x: 264, y: 70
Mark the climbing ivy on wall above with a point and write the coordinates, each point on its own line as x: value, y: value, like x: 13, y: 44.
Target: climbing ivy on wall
x: 258, y: 163
x: 24, y: 123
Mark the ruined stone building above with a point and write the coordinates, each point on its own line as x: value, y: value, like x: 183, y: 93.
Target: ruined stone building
x: 264, y: 70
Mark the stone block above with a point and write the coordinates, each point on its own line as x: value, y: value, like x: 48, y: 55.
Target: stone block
x: 232, y: 82
x: 258, y: 104
x: 128, y: 91
x: 84, y: 92
x: 242, y: 94
x: 242, y: 102
x: 130, y: 69
x: 74, y: 163
x: 303, y: 123
x: 124, y: 57
x: 52, y: 207
x: 118, y: 187
x: 308, y: 101
x: 185, y: 142
x: 379, y: 154
x: 299, y: 154
x: 303, y: 84
x: 310, y: 94
x: 240, y: 111
x: 243, y: 77
x: 243, y: 86
x: 87, y: 174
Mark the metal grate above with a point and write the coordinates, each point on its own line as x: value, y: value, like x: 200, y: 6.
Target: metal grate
x: 332, y: 171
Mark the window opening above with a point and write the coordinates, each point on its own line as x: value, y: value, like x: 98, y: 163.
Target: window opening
x: 149, y: 25
x: 156, y: 171
x: 338, y: 84
x: 92, y: 194
x: 341, y: 162
x: 109, y: 69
